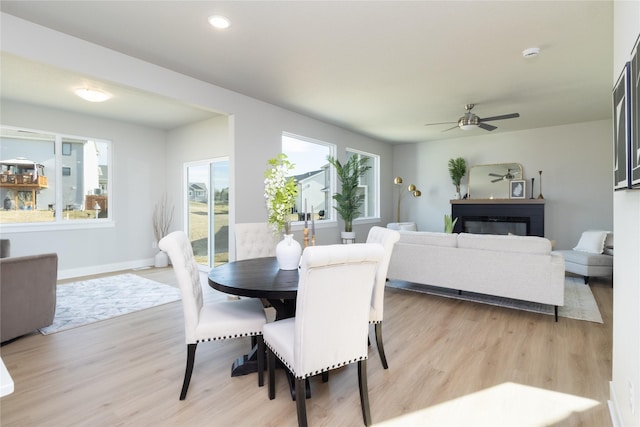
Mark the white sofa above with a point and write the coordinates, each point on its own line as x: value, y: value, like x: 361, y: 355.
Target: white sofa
x: 517, y: 267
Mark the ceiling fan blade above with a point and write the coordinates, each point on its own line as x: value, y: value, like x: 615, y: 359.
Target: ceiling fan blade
x: 455, y: 127
x: 441, y: 123
x: 486, y: 126
x: 495, y: 174
x: 505, y: 116
x: 496, y: 180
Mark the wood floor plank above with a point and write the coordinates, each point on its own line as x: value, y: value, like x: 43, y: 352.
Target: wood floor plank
x: 449, y: 361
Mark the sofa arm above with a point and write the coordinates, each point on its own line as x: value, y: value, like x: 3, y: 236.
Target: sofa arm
x: 27, y: 293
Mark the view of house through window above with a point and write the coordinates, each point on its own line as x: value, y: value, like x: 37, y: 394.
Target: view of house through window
x: 46, y: 177
x: 312, y: 172
x: 369, y: 184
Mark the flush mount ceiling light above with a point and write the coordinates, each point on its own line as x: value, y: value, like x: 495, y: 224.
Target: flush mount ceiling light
x: 532, y: 52
x: 92, y: 95
x: 219, y: 22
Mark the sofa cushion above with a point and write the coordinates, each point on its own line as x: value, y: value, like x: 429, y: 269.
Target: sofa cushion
x: 428, y: 238
x: 502, y: 243
x: 586, y: 258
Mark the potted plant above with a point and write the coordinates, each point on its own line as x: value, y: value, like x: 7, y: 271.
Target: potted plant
x: 349, y: 200
x: 280, y: 195
x: 449, y: 223
x: 457, y: 169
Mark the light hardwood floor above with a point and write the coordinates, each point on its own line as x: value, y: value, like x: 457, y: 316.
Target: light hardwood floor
x: 451, y: 363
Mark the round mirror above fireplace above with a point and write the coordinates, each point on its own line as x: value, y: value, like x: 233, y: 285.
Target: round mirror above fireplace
x: 492, y: 181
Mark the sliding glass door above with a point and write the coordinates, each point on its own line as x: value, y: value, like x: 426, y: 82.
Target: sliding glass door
x: 207, y: 205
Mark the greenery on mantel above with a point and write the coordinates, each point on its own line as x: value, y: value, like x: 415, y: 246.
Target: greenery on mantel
x: 457, y: 170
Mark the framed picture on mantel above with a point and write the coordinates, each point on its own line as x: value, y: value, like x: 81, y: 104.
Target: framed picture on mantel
x: 622, y: 131
x: 517, y: 189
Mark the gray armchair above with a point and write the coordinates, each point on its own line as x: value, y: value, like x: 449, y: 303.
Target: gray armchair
x: 27, y: 294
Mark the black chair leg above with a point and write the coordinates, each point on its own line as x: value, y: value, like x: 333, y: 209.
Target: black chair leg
x: 325, y: 376
x: 271, y: 367
x: 260, y: 357
x: 364, y: 392
x: 301, y: 405
x: 586, y: 280
x: 383, y: 357
x: 191, y: 355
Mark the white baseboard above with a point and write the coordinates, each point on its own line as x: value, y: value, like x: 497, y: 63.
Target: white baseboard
x: 105, y: 268
x: 613, y: 406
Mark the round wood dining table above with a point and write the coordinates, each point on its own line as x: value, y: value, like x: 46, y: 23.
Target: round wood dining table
x: 259, y: 278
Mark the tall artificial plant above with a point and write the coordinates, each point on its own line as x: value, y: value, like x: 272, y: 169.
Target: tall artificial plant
x: 349, y: 200
x: 457, y: 169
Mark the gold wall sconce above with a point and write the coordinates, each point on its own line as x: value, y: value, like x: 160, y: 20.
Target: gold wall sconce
x: 411, y: 188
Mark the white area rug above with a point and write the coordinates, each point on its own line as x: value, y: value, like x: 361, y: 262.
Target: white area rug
x: 89, y: 301
x: 579, y: 302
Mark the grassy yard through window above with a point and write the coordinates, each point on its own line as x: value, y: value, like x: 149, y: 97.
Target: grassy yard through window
x: 199, y: 231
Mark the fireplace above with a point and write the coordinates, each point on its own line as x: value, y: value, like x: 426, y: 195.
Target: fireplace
x: 496, y: 225
x: 497, y: 216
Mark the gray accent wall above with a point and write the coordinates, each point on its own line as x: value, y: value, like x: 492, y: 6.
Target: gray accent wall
x: 576, y: 162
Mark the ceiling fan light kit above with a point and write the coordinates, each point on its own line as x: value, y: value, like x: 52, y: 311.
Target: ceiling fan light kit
x: 470, y: 121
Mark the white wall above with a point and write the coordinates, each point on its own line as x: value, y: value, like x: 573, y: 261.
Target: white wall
x: 625, y: 379
x: 138, y: 181
x: 576, y: 175
x: 254, y: 130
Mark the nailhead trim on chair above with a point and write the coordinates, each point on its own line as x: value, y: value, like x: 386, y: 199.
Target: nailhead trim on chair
x: 311, y: 374
x: 226, y: 337
x: 373, y: 322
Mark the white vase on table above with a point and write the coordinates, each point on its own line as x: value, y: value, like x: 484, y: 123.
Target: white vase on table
x: 288, y: 252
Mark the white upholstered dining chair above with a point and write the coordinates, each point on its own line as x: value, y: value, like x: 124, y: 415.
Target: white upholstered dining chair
x: 387, y: 238
x: 330, y: 328
x: 211, y: 321
x: 255, y: 240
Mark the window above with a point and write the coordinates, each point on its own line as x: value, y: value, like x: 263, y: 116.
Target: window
x: 313, y: 175
x: 369, y: 184
x: 52, y: 178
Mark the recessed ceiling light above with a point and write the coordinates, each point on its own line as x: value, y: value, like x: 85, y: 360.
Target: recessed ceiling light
x: 531, y: 52
x: 219, y: 22
x: 92, y: 95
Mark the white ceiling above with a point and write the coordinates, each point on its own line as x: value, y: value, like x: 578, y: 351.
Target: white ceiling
x: 381, y: 68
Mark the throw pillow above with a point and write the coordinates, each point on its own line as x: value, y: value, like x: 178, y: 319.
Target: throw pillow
x: 591, y: 241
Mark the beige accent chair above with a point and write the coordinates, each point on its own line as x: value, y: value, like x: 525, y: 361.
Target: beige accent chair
x: 209, y: 322
x: 592, y: 256
x: 316, y: 340
x: 387, y: 238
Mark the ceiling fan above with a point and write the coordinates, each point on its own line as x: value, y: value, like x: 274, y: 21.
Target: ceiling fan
x: 506, y: 177
x: 471, y: 121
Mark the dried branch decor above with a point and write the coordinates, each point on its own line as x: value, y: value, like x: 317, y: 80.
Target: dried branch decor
x: 162, y: 218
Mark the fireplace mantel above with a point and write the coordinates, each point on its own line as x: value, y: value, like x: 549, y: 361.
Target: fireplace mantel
x: 498, y: 202
x: 532, y: 209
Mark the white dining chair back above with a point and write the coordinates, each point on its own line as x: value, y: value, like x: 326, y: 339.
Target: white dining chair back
x: 210, y: 321
x: 387, y: 238
x: 330, y: 327
x: 255, y: 240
